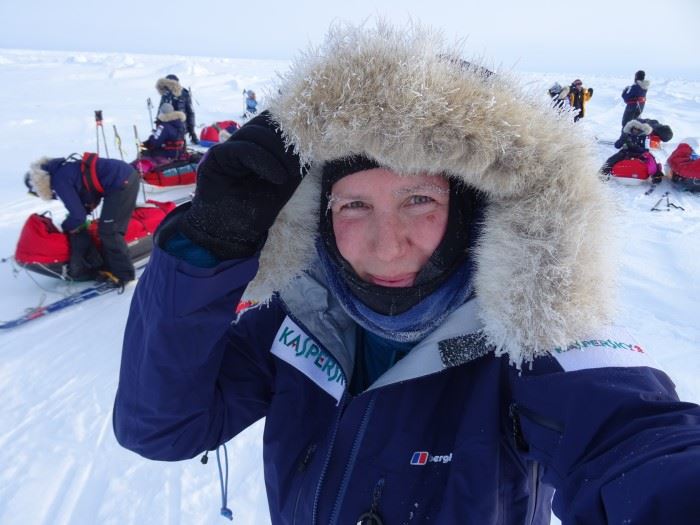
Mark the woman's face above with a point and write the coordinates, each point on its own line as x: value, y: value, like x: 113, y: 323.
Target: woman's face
x: 387, y: 226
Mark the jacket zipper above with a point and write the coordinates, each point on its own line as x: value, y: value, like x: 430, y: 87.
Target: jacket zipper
x: 331, y: 444
x: 302, y: 468
x: 351, y: 462
x: 534, y: 492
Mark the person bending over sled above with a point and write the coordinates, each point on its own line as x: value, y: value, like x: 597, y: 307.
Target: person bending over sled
x: 430, y: 345
x: 81, y: 184
x: 168, y: 140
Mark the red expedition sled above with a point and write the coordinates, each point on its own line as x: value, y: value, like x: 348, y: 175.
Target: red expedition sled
x: 44, y: 249
x: 630, y: 169
x: 684, y: 167
x: 179, y: 172
x: 211, y: 135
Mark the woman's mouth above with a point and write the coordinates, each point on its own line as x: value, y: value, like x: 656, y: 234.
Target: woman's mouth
x: 396, y: 281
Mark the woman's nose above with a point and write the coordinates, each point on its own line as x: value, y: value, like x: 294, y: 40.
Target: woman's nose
x: 390, y: 239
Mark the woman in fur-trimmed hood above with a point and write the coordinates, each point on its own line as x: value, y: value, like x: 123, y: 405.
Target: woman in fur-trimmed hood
x: 438, y: 237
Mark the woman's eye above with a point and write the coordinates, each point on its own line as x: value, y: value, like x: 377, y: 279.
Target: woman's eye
x: 354, y: 205
x: 420, y: 199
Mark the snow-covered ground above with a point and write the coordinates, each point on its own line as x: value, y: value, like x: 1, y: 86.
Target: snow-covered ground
x: 59, y: 461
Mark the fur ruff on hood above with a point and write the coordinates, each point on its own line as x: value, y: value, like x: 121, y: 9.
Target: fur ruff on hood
x: 646, y: 128
x: 41, y: 179
x: 544, y: 275
x: 165, y: 85
x: 644, y: 84
x: 172, y: 115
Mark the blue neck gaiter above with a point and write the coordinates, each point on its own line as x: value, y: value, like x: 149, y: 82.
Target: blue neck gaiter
x: 413, y: 324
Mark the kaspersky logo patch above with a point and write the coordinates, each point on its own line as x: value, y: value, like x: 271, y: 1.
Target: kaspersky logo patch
x: 422, y: 458
x: 294, y: 346
x: 612, y: 346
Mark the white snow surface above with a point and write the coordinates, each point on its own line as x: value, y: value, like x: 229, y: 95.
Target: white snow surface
x: 59, y: 460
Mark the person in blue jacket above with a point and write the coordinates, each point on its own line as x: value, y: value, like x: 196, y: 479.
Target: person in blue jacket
x: 635, y: 97
x: 81, y: 184
x: 168, y: 139
x: 251, y: 103
x: 430, y: 342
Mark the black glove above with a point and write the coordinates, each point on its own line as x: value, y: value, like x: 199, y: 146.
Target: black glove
x: 242, y: 185
x: 590, y: 91
x: 85, y: 260
x: 193, y: 137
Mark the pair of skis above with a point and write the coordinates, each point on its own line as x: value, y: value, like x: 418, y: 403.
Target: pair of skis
x: 96, y: 290
x: 86, y: 294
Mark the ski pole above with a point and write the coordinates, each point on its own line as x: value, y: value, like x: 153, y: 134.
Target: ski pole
x: 672, y: 205
x: 192, y: 96
x: 138, y: 161
x: 655, y: 206
x: 149, y: 104
x: 98, y: 124
x: 118, y: 141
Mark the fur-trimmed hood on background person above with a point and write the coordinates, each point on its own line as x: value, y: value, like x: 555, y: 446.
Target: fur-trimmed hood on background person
x: 644, y: 129
x: 170, y: 116
x: 40, y: 178
x: 644, y: 84
x: 165, y: 85
x: 544, y: 269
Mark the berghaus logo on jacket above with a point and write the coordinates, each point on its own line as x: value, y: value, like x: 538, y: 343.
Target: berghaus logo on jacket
x: 295, y: 347
x: 422, y: 457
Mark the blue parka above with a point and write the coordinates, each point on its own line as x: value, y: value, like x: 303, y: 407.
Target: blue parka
x: 635, y: 97
x: 453, y: 433
x: 67, y: 182
x: 168, y: 139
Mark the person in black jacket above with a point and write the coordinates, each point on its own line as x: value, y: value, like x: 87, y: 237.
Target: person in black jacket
x: 635, y: 97
x: 578, y: 96
x: 81, y: 185
x: 171, y: 92
x: 632, y: 145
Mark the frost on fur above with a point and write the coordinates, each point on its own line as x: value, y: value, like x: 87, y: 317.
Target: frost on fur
x: 544, y: 274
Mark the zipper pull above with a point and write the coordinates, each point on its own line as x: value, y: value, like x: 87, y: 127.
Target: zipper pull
x: 518, y: 436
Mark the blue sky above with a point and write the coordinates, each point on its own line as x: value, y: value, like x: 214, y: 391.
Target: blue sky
x: 586, y: 36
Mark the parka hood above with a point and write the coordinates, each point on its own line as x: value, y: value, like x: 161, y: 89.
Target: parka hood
x: 165, y: 85
x: 644, y: 84
x: 401, y: 97
x: 645, y: 129
x: 172, y: 116
x: 40, y: 176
